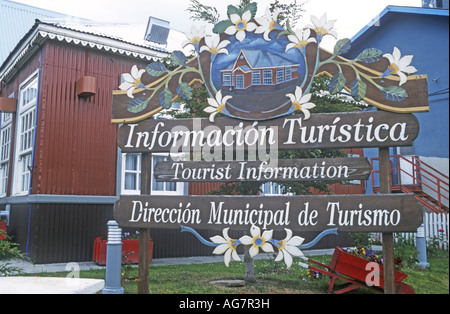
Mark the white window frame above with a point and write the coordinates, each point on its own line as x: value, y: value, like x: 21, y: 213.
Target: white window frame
x: 280, y: 75
x: 179, y: 186
x: 25, y: 134
x: 5, y: 149
x: 267, y: 77
x: 288, y: 74
x: 179, y: 190
x: 272, y: 188
x: 227, y: 79
x: 256, y: 77
x: 240, y: 81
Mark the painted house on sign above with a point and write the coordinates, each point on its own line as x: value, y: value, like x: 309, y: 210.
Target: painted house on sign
x: 258, y: 71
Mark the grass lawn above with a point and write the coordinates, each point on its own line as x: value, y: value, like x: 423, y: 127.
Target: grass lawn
x: 271, y: 277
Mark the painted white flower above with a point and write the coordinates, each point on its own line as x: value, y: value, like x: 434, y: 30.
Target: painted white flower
x: 215, y: 46
x: 257, y: 241
x: 132, y: 81
x: 227, y: 246
x: 241, y: 25
x: 195, y: 36
x: 399, y: 65
x: 322, y: 27
x: 301, y: 102
x: 268, y: 23
x: 217, y: 105
x: 300, y: 40
x: 288, y: 248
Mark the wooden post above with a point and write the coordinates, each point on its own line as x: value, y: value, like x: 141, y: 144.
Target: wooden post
x: 144, y: 234
x: 388, y: 238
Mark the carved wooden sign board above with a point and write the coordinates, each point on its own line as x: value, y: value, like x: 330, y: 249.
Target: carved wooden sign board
x: 258, y: 75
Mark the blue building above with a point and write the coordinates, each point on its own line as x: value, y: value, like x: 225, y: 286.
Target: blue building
x: 423, y: 33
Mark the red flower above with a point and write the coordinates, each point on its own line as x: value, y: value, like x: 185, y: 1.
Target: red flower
x: 441, y: 230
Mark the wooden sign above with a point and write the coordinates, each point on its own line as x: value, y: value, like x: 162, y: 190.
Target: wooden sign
x: 256, y: 69
x: 282, y: 170
x: 365, y: 213
x: 343, y: 130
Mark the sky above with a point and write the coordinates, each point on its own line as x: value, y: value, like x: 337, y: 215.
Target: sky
x: 351, y: 15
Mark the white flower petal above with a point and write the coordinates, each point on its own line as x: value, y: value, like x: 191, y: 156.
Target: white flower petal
x: 227, y: 258
x: 235, y: 256
x: 125, y: 86
x: 240, y: 35
x: 210, y: 109
x: 255, y: 231
x: 235, y: 18
x: 251, y: 27
x: 246, y: 240
x: 130, y: 92
x: 128, y: 78
x: 212, y: 102
x: 287, y: 259
x: 267, y: 235
x: 267, y: 247
x: 293, y: 250
x: 219, y: 240
x: 231, y: 30
x: 220, y: 249
x: 254, y: 250
x: 212, y: 117
x: 246, y: 16
x: 279, y: 256
x: 295, y: 241
x: 403, y: 78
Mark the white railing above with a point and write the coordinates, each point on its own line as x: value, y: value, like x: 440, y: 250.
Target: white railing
x: 436, y: 227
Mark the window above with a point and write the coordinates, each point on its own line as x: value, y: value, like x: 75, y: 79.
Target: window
x: 267, y: 77
x: 26, y: 125
x: 131, y: 177
x: 239, y: 81
x: 280, y: 76
x: 256, y: 78
x: 162, y: 187
x: 227, y: 79
x: 288, y: 74
x: 272, y: 188
x: 131, y: 173
x: 5, y: 148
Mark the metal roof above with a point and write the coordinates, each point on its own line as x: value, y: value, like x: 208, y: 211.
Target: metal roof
x: 17, y: 19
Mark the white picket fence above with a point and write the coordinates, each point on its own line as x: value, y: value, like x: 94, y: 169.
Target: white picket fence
x: 436, y: 227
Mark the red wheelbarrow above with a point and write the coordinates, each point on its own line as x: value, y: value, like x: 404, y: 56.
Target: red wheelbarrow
x: 356, y: 272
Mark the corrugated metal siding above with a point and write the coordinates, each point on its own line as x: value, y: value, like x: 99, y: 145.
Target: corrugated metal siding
x: 59, y: 233
x: 76, y: 147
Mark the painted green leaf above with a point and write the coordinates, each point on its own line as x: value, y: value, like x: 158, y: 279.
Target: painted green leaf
x: 178, y: 58
x: 337, y: 83
x: 252, y: 7
x: 165, y: 98
x: 342, y: 46
x: 369, y: 55
x: 156, y: 69
x: 138, y: 105
x: 394, y: 93
x: 220, y: 27
x: 184, y: 91
x: 232, y: 10
x: 359, y: 89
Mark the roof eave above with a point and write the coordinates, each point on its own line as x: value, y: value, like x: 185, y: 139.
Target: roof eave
x: 41, y: 32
